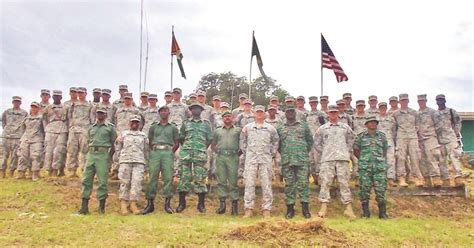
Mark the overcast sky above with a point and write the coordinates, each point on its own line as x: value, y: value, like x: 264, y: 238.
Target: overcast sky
x: 417, y: 47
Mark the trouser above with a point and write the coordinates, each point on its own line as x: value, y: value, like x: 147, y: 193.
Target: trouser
x: 430, y: 158
x: 131, y: 179
x: 316, y: 165
x: 355, y: 165
x: 373, y: 175
x: 277, y: 164
x: 97, y: 163
x: 408, y: 147
x: 10, y: 151
x: 452, y: 152
x: 176, y: 162
x: 55, y: 150
x: 30, y: 156
x: 226, y: 175
x: 192, y: 171
x: 210, y: 166
x: 391, y: 162
x: 160, y: 161
x: 264, y: 170
x: 296, y: 181
x: 329, y: 170
x: 76, y: 151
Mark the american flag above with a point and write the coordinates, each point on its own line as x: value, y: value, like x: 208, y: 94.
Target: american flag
x: 329, y: 61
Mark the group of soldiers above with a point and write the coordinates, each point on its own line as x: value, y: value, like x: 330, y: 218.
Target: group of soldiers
x: 376, y: 147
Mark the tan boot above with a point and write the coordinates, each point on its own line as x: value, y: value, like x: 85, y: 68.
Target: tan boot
x: 11, y: 173
x: 134, y: 208
x: 29, y: 174
x: 248, y: 213
x: 392, y: 183
x: 410, y: 179
x: 54, y: 173
x: 402, y: 182
x: 459, y: 181
x: 72, y: 173
x: 266, y: 214
x: 419, y: 182
x: 324, y: 208
x: 2, y: 174
x: 21, y: 175
x: 436, y: 181
x: 35, y: 176
x: 348, y: 212
x: 446, y: 183
x: 123, y: 207
x: 427, y: 182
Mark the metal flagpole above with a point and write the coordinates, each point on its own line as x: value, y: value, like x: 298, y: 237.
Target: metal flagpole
x: 141, y: 37
x: 321, y: 67
x: 172, y: 31
x: 250, y: 74
x: 146, y: 57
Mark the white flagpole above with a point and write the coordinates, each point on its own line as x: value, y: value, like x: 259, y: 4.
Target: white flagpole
x: 172, y: 31
x: 250, y: 74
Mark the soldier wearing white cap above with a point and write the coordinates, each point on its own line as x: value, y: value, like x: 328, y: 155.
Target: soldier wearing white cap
x: 242, y: 98
x: 107, y: 105
x: 387, y: 126
x: 54, y: 121
x: 45, y: 96
x: 12, y: 132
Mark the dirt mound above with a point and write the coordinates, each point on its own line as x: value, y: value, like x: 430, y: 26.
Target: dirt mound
x: 284, y: 233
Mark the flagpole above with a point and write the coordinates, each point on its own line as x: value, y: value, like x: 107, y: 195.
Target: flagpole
x: 250, y: 74
x: 172, y: 31
x: 141, y: 41
x: 321, y: 66
x: 146, y: 57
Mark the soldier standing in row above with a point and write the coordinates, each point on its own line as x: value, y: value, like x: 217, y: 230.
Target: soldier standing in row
x: 370, y: 147
x: 276, y: 102
x: 393, y: 101
x: 72, y: 99
x: 347, y: 97
x: 295, y: 144
x: 274, y: 120
x: 342, y: 115
x: 334, y: 143
x: 178, y: 114
x: 107, y: 105
x: 259, y: 144
x: 315, y: 119
x: 56, y: 135
x: 96, y: 94
x: 132, y: 151
x: 195, y: 136
x: 301, y: 112
x: 45, y: 96
x: 164, y: 141
x: 372, y: 110
x: 168, y: 97
x: 143, y: 102
x: 324, y: 100
x: 100, y: 139
x: 246, y: 116
x: 12, y: 132
x: 358, y: 120
x: 225, y: 143
x: 242, y: 99
x: 387, y: 126
x: 151, y: 114
x: 31, y: 144
x: 122, y: 90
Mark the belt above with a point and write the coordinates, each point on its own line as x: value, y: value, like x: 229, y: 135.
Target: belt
x: 98, y: 149
x: 161, y: 147
x: 226, y: 152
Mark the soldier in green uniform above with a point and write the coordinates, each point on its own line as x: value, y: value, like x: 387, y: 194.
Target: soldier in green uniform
x: 225, y: 143
x: 164, y: 141
x: 371, y: 148
x: 195, y: 136
x: 100, y: 139
x: 296, y: 142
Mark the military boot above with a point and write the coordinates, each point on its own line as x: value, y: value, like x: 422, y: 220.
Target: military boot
x: 392, y: 183
x: 54, y: 173
x: 235, y: 207
x: 84, y: 207
x: 290, y: 211
x: 348, y: 212
x: 365, y: 209
x: 201, y: 207
x: 266, y: 213
x: 436, y: 181
x: 182, y: 202
x: 28, y: 175
x: 2, y: 174
x: 21, y: 175
x: 134, y: 207
x: 382, y: 210
x: 72, y: 173
x: 11, y: 173
x: 427, y: 182
x: 324, y: 208
x: 35, y: 176
x: 419, y: 182
x: 61, y: 172
x: 305, y: 210
x: 168, y: 208
x: 446, y: 183
x: 102, y: 207
x: 402, y: 182
x: 248, y: 213
x: 222, y: 206
x: 123, y: 207
x: 459, y: 181
x: 150, y: 206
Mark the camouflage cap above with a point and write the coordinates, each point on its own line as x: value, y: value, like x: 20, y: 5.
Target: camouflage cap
x: 128, y: 95
x: 57, y: 93
x: 403, y: 96
x: 259, y: 108
x: 106, y: 91
x: 440, y: 96
x: 195, y: 104
x: 96, y: 90
x: 313, y: 99
x: 45, y: 91
x: 200, y: 93
x: 243, y: 95
x: 373, y: 97
x: 248, y: 102
x: 272, y: 106
x: 216, y: 98
x: 340, y: 101
x: 393, y: 98
x: 81, y: 89
x: 289, y: 99
x: 168, y: 93
x: 123, y: 87
x: 177, y: 90
x: 382, y: 104
x: 324, y: 98
x: 35, y: 104
x: 360, y: 102
x: 164, y: 107
x: 16, y: 98
x: 153, y: 96
x: 225, y: 105
x: 333, y: 108
x: 135, y: 118
x: 421, y: 97
x: 101, y: 110
x: 72, y: 89
x: 226, y: 113
x: 290, y: 107
x: 192, y: 95
x: 371, y: 118
x: 144, y: 93
x: 274, y: 98
x: 347, y: 95
x: 300, y: 98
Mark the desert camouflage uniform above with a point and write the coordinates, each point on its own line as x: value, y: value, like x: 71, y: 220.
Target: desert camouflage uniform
x: 277, y: 159
x: 110, y: 108
x: 372, y: 112
x: 236, y: 112
x: 391, y: 111
x: 315, y: 119
x: 12, y: 132
x: 345, y: 118
x: 430, y: 161
x: 358, y: 125
x: 143, y: 108
x: 43, y: 106
x: 55, y: 140
x: 387, y: 126
x: 80, y: 116
x: 244, y: 118
x: 350, y: 110
x: 259, y: 143
x: 123, y: 115
x: 178, y: 114
x: 150, y: 115
x: 334, y: 144
x: 31, y: 144
x: 301, y: 114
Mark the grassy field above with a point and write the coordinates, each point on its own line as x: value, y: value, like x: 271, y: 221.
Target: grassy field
x: 43, y: 214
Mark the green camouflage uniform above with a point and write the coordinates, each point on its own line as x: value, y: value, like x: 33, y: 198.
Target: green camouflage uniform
x: 372, y: 164
x: 194, y: 136
x: 295, y: 144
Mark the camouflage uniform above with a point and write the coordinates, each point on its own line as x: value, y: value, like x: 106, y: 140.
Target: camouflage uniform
x: 301, y: 114
x: 110, y: 108
x: 372, y: 165
x: 274, y: 122
x: 358, y: 126
x: 31, y: 144
x: 345, y: 118
x: 259, y: 144
x: 150, y: 115
x: 178, y: 114
x: 387, y: 126
x: 334, y: 144
x: 56, y: 137
x: 123, y: 115
x: 295, y: 144
x: 315, y: 120
x: 132, y: 152
x: 12, y: 132
x: 244, y: 118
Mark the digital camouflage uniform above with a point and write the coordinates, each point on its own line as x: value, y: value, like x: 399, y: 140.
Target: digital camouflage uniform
x: 178, y: 114
x: 259, y: 144
x: 31, y: 144
x: 56, y: 137
x: 122, y: 118
x: 387, y: 126
x: 13, y: 129
x: 296, y: 142
x: 277, y: 160
x: 301, y: 114
x: 315, y: 119
x: 244, y: 118
x: 150, y: 115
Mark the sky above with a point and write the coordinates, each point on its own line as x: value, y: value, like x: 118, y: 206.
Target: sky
x: 385, y: 47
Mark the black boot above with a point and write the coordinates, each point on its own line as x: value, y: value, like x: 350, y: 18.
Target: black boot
x: 290, y: 211
x: 365, y: 209
x: 222, y: 206
x: 235, y: 207
x: 201, y: 207
x: 182, y: 202
x: 102, y: 207
x: 383, y: 210
x: 305, y: 210
x: 168, y: 208
x: 150, y: 206
x: 84, y: 207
